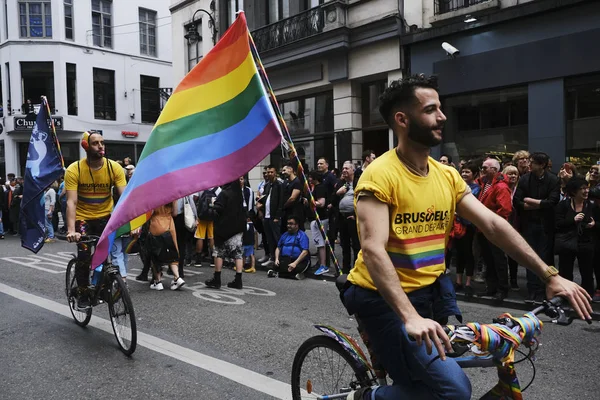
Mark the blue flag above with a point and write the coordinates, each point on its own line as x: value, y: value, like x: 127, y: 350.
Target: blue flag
x: 44, y: 166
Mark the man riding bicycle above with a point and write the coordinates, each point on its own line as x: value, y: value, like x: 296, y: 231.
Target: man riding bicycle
x: 398, y: 287
x: 89, y: 184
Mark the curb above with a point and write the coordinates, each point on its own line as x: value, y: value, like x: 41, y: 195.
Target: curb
x: 513, y: 303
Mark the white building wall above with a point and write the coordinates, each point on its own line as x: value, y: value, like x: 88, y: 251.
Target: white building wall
x: 124, y: 59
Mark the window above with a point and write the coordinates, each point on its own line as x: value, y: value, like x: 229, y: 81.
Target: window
x: 494, y: 123
x: 148, y: 32
x: 194, y: 48
x: 35, y: 19
x: 102, y: 23
x: 104, y: 94
x: 370, y: 104
x: 71, y: 89
x: 8, y: 102
x: 582, y: 103
x: 37, y: 79
x: 69, y: 20
x: 1, y: 98
x: 150, y: 95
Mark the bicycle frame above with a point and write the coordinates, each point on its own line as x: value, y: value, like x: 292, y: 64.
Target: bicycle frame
x: 507, y: 387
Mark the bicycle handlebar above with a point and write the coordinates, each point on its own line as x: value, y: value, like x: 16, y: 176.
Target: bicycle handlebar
x: 83, y: 239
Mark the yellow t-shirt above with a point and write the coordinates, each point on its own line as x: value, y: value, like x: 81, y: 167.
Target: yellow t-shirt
x: 94, y: 196
x: 421, y: 215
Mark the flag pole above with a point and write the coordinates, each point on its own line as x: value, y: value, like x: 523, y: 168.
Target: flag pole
x: 290, y: 144
x: 54, y: 136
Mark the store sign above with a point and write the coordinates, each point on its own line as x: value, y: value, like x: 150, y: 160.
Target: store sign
x: 129, y: 134
x: 24, y: 124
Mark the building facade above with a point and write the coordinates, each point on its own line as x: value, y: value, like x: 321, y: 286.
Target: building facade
x: 326, y: 60
x: 103, y: 65
x: 527, y: 75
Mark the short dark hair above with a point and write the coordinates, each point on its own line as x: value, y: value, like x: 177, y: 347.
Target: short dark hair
x: 574, y: 184
x: 447, y: 156
x: 292, y: 165
x: 471, y: 166
x: 293, y: 217
x: 401, y: 93
x: 367, y: 153
x: 316, y: 176
x: 540, y: 158
x: 324, y: 159
x: 271, y: 166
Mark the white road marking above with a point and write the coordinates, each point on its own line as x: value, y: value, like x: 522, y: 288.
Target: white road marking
x: 35, y: 262
x: 251, y: 379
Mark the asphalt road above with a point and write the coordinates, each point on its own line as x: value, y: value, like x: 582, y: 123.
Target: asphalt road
x: 208, y: 344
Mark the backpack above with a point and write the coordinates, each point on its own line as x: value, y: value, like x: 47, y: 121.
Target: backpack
x: 203, y: 205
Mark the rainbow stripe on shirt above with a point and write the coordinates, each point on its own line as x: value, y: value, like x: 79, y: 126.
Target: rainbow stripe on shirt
x: 93, y: 197
x: 417, y: 253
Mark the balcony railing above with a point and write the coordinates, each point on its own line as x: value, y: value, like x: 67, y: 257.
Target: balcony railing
x: 300, y: 26
x: 445, y: 6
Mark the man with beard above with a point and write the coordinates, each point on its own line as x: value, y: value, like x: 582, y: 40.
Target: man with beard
x: 405, y: 204
x: 88, y: 183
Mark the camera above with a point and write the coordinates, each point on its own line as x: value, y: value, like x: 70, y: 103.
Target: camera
x: 450, y: 50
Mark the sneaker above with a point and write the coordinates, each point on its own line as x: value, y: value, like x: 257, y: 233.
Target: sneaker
x: 1, y: 237
x: 300, y: 276
x: 322, y: 270
x: 142, y: 277
x: 198, y: 261
x: 596, y: 297
x: 213, y: 283
x: 458, y: 287
x: 177, y: 284
x: 268, y: 263
x: 486, y: 293
x: 514, y: 286
x: 263, y: 259
x: 272, y: 274
x: 156, y: 286
x: 83, y: 301
x: 235, y: 284
x: 250, y: 270
x: 49, y: 240
x: 479, y: 278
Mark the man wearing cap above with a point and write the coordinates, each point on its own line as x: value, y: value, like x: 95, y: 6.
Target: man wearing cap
x: 88, y: 183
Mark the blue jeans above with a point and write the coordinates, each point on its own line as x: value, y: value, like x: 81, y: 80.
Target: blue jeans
x: 118, y: 255
x: 1, y: 222
x: 416, y: 374
x: 49, y: 226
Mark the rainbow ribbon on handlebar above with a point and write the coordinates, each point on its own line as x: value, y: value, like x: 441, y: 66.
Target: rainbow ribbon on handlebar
x: 501, y: 341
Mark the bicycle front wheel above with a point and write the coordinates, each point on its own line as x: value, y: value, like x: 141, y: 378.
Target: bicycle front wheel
x: 81, y: 317
x: 122, y: 316
x: 322, y: 367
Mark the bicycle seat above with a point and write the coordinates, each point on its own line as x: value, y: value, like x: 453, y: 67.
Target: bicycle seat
x: 340, y: 282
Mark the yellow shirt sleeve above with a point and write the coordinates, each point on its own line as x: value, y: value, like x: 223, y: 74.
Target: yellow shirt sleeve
x: 375, y: 181
x: 460, y: 186
x: 120, y: 180
x: 72, y: 177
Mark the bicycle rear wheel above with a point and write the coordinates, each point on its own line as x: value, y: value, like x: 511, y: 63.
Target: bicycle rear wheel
x: 82, y: 318
x: 322, y: 367
x: 122, y: 316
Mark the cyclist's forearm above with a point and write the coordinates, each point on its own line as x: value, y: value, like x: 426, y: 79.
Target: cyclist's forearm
x: 503, y: 235
x: 387, y: 282
x: 71, y: 207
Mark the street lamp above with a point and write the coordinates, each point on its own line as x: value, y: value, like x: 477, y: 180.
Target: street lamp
x: 193, y: 36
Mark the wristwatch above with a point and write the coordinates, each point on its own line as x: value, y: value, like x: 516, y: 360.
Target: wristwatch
x: 549, y: 272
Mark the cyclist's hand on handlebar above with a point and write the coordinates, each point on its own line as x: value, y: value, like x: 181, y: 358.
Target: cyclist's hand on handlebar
x: 73, y: 237
x: 576, y: 295
x: 430, y: 332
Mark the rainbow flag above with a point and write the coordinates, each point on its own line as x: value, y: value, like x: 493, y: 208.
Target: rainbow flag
x: 217, y: 125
